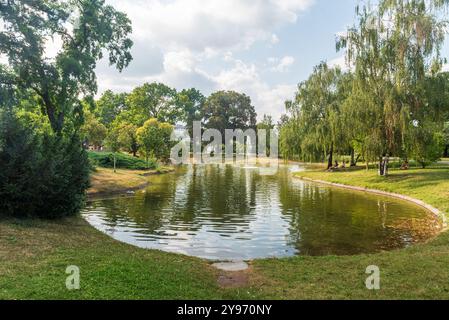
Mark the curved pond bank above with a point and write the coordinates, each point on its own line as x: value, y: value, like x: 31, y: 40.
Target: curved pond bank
x: 432, y: 209
x: 105, y: 183
x: 243, y: 213
x: 113, y: 270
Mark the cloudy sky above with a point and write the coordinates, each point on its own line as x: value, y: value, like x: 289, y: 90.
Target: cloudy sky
x: 260, y: 47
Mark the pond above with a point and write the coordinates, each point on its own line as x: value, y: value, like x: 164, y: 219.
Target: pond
x: 226, y: 212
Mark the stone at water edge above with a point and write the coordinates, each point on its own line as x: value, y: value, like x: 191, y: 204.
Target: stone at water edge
x: 231, y: 266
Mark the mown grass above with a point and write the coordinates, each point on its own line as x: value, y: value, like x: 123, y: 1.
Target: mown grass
x: 430, y: 185
x: 34, y: 256
x: 106, y: 181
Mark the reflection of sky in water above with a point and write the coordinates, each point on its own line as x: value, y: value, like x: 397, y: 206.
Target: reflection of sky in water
x: 224, y: 213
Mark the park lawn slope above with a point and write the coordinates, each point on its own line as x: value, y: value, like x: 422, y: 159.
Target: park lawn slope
x: 418, y: 272
x: 429, y: 185
x: 105, y: 181
x: 34, y: 255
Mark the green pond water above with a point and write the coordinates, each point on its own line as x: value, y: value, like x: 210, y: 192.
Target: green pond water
x: 225, y: 212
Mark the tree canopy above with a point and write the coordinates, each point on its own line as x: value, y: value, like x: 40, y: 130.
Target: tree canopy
x: 229, y: 110
x: 154, y: 100
x: 86, y: 29
x: 393, y: 101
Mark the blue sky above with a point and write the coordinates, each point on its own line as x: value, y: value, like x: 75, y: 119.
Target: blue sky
x: 310, y: 40
x: 263, y: 48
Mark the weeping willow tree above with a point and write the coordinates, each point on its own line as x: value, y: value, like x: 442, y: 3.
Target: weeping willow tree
x: 394, y: 47
x: 289, y: 133
x: 315, y: 116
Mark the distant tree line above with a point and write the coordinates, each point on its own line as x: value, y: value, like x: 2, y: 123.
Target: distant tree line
x: 141, y: 122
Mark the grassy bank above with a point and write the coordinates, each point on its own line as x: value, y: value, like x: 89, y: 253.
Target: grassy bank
x: 35, y: 254
x: 418, y: 272
x: 105, y: 181
x: 429, y: 185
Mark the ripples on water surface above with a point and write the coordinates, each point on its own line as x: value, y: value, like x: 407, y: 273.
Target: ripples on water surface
x: 225, y: 212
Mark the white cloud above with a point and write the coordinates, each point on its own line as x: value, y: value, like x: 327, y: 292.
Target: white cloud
x: 3, y: 59
x: 339, y: 62
x: 246, y: 78
x: 183, y: 61
x: 217, y: 24
x: 52, y: 46
x: 274, y: 39
x: 282, y: 65
x: 446, y: 68
x: 192, y: 43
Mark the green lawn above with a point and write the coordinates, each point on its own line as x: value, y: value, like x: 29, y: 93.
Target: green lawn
x: 419, y: 272
x: 105, y: 181
x: 430, y: 185
x: 34, y: 256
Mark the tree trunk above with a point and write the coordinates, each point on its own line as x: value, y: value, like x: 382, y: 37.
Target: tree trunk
x: 366, y: 162
x: 134, y: 148
x: 56, y: 120
x: 446, y: 152
x: 386, y: 162
x: 353, y: 160
x: 383, y: 166
x: 330, y: 158
x: 115, y: 163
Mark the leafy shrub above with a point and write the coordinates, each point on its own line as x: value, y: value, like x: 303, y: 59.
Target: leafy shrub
x: 43, y: 175
x: 106, y: 160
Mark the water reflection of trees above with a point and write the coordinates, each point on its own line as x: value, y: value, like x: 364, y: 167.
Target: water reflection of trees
x: 326, y: 220
x: 220, y: 197
x: 231, y: 200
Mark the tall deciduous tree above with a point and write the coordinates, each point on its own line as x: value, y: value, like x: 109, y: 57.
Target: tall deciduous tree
x: 446, y: 140
x: 109, y: 106
x: 93, y: 131
x: 86, y: 28
x: 192, y: 103
x: 154, y: 139
x: 266, y: 124
x: 229, y: 110
x: 127, y: 137
x: 317, y: 110
x: 154, y: 100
